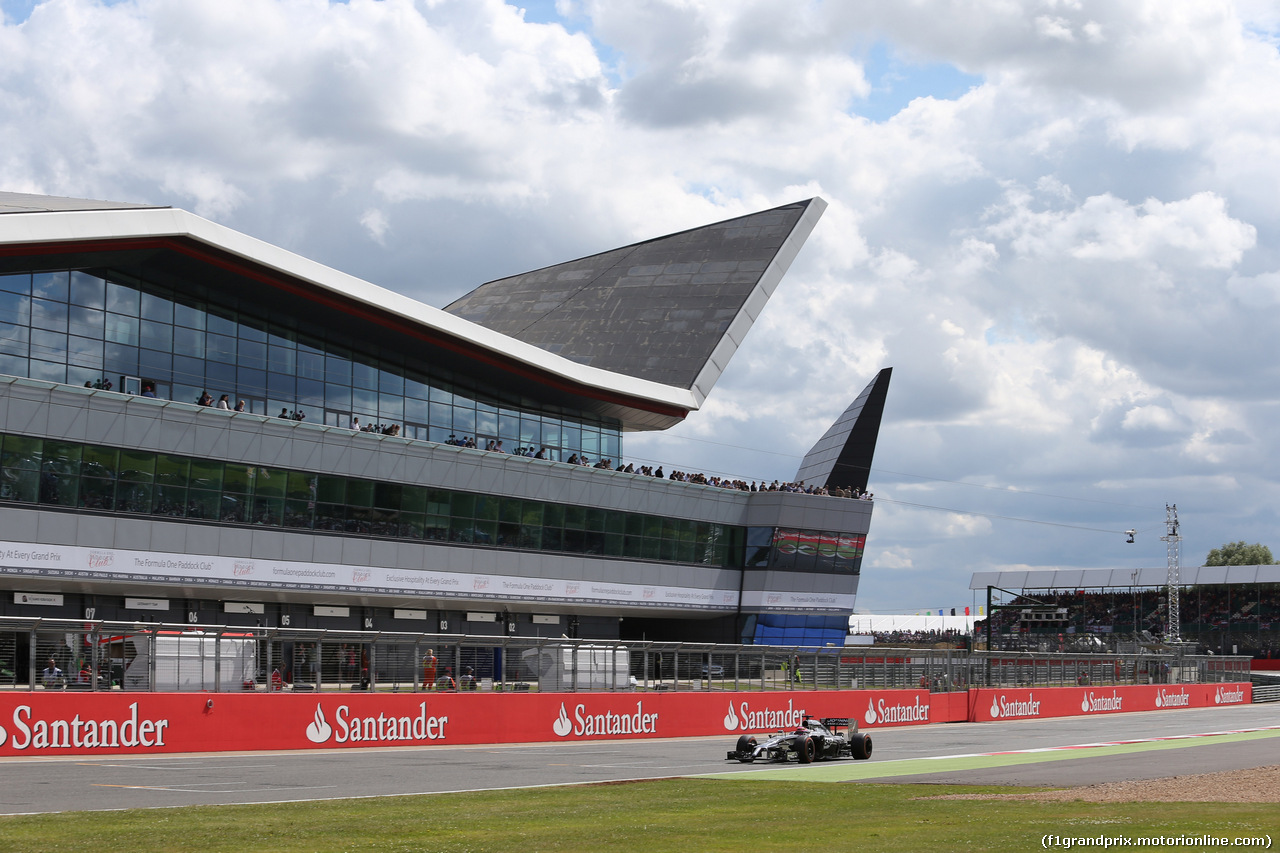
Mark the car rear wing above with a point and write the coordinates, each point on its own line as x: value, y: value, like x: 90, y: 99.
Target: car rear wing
x: 851, y: 723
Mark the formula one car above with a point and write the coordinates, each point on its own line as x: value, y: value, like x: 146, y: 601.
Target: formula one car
x: 815, y: 740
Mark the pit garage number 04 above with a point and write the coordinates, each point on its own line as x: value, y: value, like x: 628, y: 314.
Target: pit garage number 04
x: 814, y: 740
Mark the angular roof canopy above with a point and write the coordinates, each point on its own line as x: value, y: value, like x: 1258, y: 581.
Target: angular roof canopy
x: 842, y: 457
x: 639, y: 334
x: 671, y: 310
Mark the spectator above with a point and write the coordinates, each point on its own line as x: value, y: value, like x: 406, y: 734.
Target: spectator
x: 429, y: 669
x: 51, y: 675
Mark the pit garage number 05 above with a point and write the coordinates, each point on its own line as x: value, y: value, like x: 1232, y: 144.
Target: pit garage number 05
x: 815, y: 740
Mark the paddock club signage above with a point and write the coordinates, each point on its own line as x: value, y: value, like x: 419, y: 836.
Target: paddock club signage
x: 55, y: 722
x: 987, y: 705
x: 76, y: 563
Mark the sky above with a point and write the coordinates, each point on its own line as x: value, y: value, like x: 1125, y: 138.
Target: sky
x: 1056, y: 220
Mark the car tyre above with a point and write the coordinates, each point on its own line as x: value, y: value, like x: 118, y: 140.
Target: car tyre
x: 746, y: 749
x: 806, y: 750
x: 860, y: 746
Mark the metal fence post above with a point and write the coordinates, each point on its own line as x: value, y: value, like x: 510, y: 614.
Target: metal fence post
x: 31, y: 659
x: 417, y: 663
x: 152, y: 648
x: 92, y: 637
x: 217, y: 662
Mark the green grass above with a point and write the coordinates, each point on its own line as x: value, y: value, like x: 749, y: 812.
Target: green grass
x: 665, y: 815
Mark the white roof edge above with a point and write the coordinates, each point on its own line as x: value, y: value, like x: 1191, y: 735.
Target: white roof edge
x: 1102, y: 578
x: 68, y: 226
x: 769, y: 280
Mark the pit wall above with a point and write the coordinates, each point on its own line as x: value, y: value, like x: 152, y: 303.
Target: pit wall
x: 43, y: 723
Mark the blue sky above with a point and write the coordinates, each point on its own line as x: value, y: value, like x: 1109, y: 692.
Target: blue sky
x: 1069, y: 252
x: 895, y: 83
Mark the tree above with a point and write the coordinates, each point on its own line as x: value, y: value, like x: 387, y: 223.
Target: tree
x: 1239, y: 554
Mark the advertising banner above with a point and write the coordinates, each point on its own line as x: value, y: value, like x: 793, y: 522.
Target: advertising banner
x: 991, y: 704
x: 75, y: 723
x: 59, y: 722
x: 69, y: 562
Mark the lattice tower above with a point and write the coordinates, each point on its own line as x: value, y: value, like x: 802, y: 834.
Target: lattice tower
x: 1173, y: 634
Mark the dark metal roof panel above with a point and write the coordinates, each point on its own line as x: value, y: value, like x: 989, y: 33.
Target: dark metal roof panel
x: 655, y: 310
x: 842, y: 457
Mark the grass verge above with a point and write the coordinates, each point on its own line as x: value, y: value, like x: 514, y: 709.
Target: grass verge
x: 683, y: 815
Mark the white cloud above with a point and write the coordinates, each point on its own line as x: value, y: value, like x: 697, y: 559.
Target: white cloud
x: 965, y: 525
x: 1071, y: 267
x: 1258, y: 291
x: 1152, y: 417
x: 1057, y: 29
x: 1106, y: 228
x: 892, y: 559
x: 375, y: 222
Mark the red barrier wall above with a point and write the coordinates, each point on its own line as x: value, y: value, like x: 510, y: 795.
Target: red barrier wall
x: 949, y: 707
x: 1029, y: 702
x: 103, y: 723
x: 74, y: 723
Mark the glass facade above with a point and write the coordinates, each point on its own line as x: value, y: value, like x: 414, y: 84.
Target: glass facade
x: 87, y: 329
x: 792, y: 550
x: 124, y: 481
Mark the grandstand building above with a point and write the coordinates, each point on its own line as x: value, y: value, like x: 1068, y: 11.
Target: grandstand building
x: 128, y: 491
x: 1224, y: 609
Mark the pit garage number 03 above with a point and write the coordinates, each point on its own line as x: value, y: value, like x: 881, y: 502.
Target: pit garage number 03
x: 814, y: 740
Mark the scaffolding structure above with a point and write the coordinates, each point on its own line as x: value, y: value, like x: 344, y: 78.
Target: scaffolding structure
x: 1173, y: 634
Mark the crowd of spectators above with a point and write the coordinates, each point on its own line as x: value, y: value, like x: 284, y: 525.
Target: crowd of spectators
x: 950, y: 637
x: 1219, y: 617
x: 582, y: 459
x: 496, y: 446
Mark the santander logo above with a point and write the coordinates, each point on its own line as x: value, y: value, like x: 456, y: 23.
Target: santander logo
x: 880, y: 711
x: 31, y: 731
x: 319, y: 731
x: 1227, y: 696
x: 348, y: 728
x: 765, y: 718
x: 563, y: 725
x: 583, y: 724
x: 1092, y: 704
x: 1003, y: 709
x: 1165, y: 699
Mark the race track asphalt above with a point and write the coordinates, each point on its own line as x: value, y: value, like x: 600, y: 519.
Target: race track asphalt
x: 1059, y: 752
